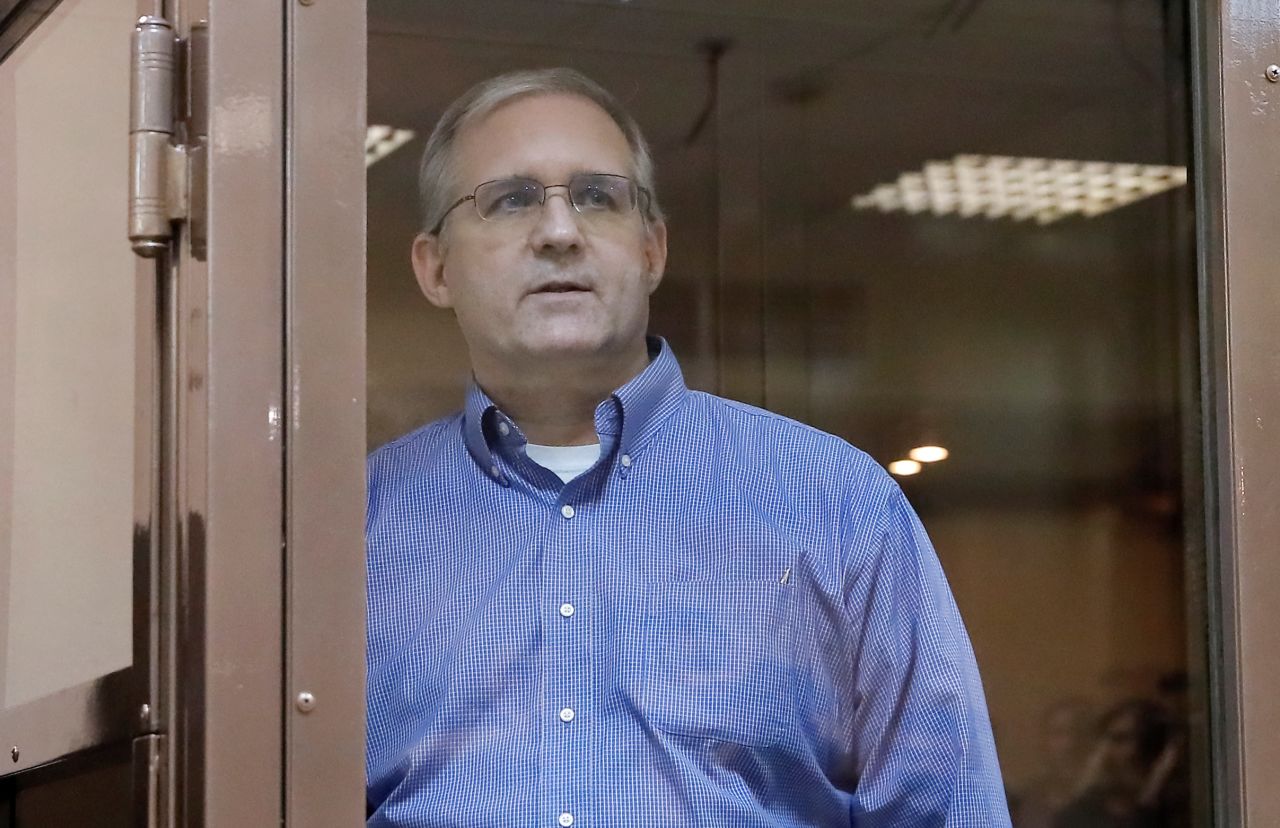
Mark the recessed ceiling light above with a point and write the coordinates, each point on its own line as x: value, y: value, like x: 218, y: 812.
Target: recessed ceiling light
x: 381, y: 140
x: 1001, y: 186
x: 903, y: 468
x: 928, y: 454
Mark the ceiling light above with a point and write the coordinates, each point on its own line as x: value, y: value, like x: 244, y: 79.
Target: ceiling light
x: 381, y: 140
x: 928, y: 454
x: 902, y: 468
x: 1001, y: 186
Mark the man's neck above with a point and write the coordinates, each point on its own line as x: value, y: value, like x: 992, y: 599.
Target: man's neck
x: 554, y: 402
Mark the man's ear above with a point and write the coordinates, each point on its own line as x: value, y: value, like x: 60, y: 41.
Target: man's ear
x: 655, y: 252
x: 428, y: 267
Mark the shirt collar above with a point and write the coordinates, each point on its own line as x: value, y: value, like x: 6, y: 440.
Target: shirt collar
x: 642, y: 404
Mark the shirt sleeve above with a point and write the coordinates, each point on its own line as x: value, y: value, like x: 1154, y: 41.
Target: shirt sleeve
x: 922, y: 744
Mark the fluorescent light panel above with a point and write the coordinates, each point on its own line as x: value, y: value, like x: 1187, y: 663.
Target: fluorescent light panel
x: 1001, y: 186
x: 381, y: 140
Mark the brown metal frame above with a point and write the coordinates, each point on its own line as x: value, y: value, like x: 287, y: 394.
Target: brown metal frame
x: 325, y: 562
x: 228, y: 767
x: 88, y: 715
x: 18, y: 18
x: 1238, y: 147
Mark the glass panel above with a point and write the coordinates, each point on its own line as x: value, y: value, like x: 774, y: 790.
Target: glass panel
x: 1051, y: 353
x: 67, y: 342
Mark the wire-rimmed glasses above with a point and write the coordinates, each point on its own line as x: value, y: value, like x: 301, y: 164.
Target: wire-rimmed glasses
x: 594, y: 195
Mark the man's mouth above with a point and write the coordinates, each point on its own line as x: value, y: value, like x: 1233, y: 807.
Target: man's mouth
x: 561, y: 287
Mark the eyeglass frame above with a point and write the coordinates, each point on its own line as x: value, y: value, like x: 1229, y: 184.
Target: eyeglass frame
x: 643, y: 196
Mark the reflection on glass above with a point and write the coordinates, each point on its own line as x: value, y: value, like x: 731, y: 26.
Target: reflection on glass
x: 904, y: 468
x: 66, y: 353
x: 928, y: 454
x: 1030, y: 376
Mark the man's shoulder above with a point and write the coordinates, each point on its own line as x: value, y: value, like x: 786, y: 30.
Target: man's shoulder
x: 796, y: 455
x: 772, y: 432
x: 411, y: 450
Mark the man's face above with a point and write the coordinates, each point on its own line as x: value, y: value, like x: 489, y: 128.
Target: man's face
x: 560, y: 284
x: 1123, y: 767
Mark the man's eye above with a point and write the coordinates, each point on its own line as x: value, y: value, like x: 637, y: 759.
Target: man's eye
x: 507, y: 198
x: 516, y: 199
x: 596, y: 198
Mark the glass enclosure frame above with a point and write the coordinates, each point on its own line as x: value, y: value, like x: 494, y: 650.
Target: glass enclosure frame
x: 265, y: 452
x: 1237, y: 162
x: 325, y: 469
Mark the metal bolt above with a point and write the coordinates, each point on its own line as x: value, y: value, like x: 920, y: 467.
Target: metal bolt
x: 306, y: 702
x: 14, y: 753
x: 1273, y: 73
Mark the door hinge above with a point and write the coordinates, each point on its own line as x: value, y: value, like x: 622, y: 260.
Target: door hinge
x: 167, y: 135
x: 151, y: 797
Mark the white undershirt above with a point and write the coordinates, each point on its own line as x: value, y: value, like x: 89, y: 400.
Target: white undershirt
x: 567, y: 462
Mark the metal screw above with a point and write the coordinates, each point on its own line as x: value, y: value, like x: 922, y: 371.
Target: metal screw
x: 1273, y: 73
x: 14, y: 753
x: 306, y: 702
x: 306, y: 2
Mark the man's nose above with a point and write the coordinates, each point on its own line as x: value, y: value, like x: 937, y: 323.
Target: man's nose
x: 557, y: 229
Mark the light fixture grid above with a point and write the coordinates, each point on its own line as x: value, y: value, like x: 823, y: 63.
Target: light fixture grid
x: 380, y: 140
x: 1020, y: 188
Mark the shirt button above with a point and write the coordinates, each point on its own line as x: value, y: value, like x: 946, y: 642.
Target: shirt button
x: 626, y: 460
x: 566, y: 610
x: 566, y: 715
x: 504, y: 429
x: 495, y: 471
x: 566, y: 510
x: 565, y: 820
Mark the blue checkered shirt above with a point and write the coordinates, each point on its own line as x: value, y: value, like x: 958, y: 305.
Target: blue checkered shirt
x: 731, y: 620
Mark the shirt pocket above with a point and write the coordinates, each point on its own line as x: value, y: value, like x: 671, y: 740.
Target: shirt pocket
x: 717, y: 663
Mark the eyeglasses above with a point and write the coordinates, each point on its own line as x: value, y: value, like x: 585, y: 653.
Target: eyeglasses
x: 594, y: 195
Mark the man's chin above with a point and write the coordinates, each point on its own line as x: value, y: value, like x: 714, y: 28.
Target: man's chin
x: 566, y: 349
x: 570, y: 346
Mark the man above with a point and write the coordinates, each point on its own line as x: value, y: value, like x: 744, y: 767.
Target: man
x: 597, y: 598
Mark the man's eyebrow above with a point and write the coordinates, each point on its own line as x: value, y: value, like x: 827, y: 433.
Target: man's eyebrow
x: 572, y: 173
x: 503, y: 176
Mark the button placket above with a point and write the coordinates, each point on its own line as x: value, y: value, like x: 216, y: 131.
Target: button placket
x: 567, y: 669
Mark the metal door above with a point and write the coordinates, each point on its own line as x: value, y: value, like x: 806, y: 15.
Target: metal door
x: 181, y: 463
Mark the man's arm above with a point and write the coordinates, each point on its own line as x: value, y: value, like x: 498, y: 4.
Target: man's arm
x: 922, y: 743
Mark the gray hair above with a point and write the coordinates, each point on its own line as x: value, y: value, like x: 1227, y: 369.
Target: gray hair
x: 435, y: 173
